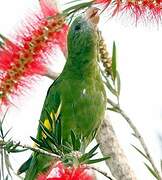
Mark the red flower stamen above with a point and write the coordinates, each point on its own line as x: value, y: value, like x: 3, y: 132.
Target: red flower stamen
x: 140, y: 9
x: 24, y: 59
x: 60, y: 172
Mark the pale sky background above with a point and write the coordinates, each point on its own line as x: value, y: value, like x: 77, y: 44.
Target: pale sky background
x: 139, y: 64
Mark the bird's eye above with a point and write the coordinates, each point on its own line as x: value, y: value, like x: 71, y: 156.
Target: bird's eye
x: 78, y: 27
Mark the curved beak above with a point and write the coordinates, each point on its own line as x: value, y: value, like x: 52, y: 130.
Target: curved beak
x: 92, y: 15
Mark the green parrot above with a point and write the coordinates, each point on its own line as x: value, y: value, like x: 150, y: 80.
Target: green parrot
x: 77, y: 95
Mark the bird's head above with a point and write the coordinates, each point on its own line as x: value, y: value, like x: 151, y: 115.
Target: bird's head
x: 82, y: 36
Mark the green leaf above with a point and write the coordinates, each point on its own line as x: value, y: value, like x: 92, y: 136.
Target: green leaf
x: 140, y: 152
x: 118, y: 83
x: 7, y: 163
x: 114, y: 61
x: 6, y: 178
x: 1, y: 125
x: 152, y: 172
x: 88, y: 155
x: 97, y: 160
x: 66, y: 149
x: 85, y: 157
x: 108, y: 84
x: 9, y: 145
x: 13, y: 148
x: 68, y: 145
x: 18, y: 150
x: 7, y: 133
x: 40, y: 143
x: 73, y: 139
x: 25, y: 166
x: 113, y: 109
x: 49, y: 135
x: 58, y: 131
x: 110, y: 88
x: 77, y: 7
x: 1, y: 44
x: 51, y: 147
x: 51, y: 121
x: 78, y: 144
x: 93, y: 149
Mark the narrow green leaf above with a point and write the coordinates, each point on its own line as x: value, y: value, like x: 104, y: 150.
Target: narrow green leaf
x: 68, y: 145
x: 7, y: 163
x: 78, y: 144
x: 114, y: 61
x: 86, y: 157
x: 110, y: 88
x: 58, y: 131
x: 97, y: 160
x: 50, y: 147
x: 118, y: 82
x: 108, y: 84
x: 83, y: 158
x: 113, y: 109
x: 24, y: 166
x: 152, y: 172
x: 8, y: 145
x: 1, y: 44
x: 73, y: 140
x: 51, y: 121
x: 77, y: 7
x: 40, y: 143
x: 13, y: 148
x: 140, y: 152
x: 89, y: 155
x: 6, y: 178
x: 7, y: 133
x: 4, y: 116
x: 18, y: 150
x: 1, y: 130
x: 49, y: 135
x: 93, y: 149
x: 66, y: 149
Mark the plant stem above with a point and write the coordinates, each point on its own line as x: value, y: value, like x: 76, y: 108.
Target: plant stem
x: 2, y: 164
x: 141, y: 140
x: 35, y: 149
x: 57, y: 158
x: 102, y: 172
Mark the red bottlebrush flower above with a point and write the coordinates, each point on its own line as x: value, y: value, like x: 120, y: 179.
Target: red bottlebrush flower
x: 60, y: 172
x: 140, y: 9
x: 46, y: 9
x: 22, y: 60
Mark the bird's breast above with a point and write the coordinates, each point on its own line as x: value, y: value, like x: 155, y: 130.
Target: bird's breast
x: 84, y: 106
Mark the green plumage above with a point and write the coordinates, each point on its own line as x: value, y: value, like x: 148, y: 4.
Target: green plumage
x: 78, y: 94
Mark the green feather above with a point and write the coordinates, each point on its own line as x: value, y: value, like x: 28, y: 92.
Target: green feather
x: 78, y: 94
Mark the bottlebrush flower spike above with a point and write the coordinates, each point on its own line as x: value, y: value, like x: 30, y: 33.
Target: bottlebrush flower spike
x: 24, y: 59
x: 60, y: 172
x: 146, y: 9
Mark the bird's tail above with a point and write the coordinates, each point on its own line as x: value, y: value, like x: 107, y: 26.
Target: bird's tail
x: 35, y: 165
